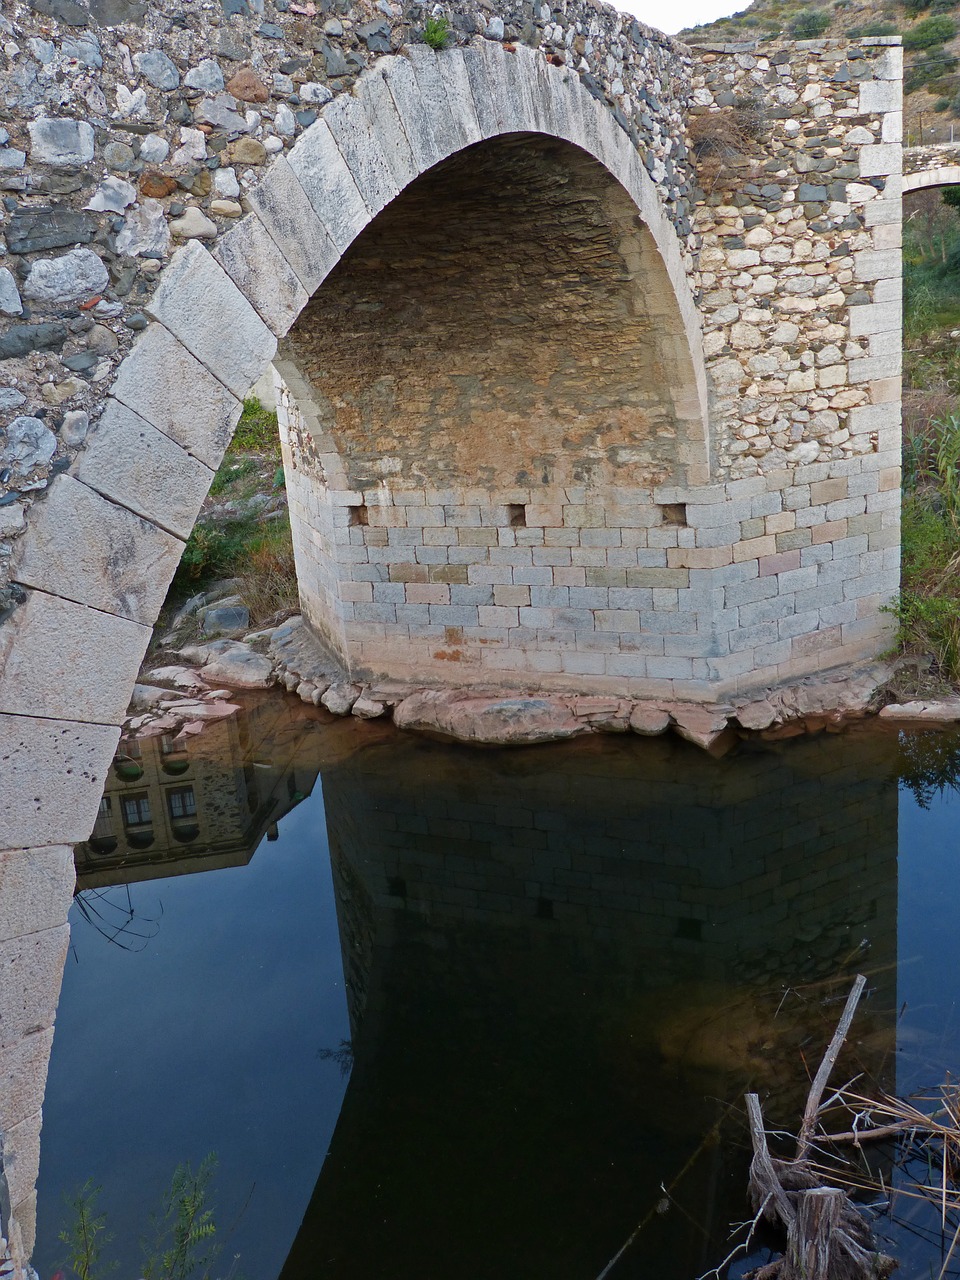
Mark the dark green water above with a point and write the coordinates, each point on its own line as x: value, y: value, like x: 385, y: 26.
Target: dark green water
x: 451, y: 1013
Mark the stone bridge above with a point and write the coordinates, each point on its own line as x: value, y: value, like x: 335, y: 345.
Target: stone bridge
x: 932, y: 166
x: 587, y: 347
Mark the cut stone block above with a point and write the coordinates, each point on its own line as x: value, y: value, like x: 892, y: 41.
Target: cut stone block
x: 70, y: 760
x: 67, y: 661
x: 136, y: 465
x: 36, y: 890
x: 85, y: 548
x: 250, y: 256
x: 199, y: 303
x: 163, y: 383
x: 324, y: 175
x: 285, y: 210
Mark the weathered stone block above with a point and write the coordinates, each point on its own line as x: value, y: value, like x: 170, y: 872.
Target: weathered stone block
x: 324, y: 175
x: 285, y: 210
x: 36, y: 890
x: 23, y: 1077
x: 250, y: 256
x: 85, y: 548
x: 194, y: 288
x: 71, y: 759
x: 164, y: 384
x: 41, y: 668
x: 143, y: 469
x: 357, y: 139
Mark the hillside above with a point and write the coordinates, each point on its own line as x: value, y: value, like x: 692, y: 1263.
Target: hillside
x: 930, y: 30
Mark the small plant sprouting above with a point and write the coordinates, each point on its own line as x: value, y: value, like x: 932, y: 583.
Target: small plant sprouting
x: 436, y: 33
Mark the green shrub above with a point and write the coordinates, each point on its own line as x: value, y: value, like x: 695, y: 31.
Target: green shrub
x: 809, y: 23
x: 257, y: 430
x: 928, y: 69
x: 915, y: 7
x: 874, y: 29
x: 931, y: 31
x: 928, y: 608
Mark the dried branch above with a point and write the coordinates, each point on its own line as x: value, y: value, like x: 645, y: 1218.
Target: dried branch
x: 812, y: 1108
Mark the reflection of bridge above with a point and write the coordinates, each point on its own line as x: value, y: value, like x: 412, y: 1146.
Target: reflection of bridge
x: 565, y: 954
x: 516, y: 929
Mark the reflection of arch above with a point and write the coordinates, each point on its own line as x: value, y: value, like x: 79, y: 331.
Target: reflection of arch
x: 945, y: 176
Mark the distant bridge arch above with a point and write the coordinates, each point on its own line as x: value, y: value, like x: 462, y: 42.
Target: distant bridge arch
x: 942, y: 176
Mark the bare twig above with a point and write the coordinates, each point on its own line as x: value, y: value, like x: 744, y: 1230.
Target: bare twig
x: 826, y: 1066
x: 742, y: 1247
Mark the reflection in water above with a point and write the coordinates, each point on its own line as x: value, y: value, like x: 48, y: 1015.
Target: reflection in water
x: 562, y: 965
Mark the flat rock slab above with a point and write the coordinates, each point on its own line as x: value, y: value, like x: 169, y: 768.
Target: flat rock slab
x: 943, y: 712
x: 489, y: 721
x: 240, y: 669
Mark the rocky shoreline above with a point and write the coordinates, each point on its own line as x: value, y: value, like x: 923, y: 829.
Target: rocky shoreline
x: 197, y: 681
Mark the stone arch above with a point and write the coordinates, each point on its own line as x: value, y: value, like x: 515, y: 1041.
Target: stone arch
x: 101, y: 548
x: 945, y: 176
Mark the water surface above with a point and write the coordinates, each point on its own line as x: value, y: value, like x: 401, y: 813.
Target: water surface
x: 447, y: 1012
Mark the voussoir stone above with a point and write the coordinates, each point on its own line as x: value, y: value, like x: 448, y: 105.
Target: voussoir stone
x: 76, y: 755
x: 132, y: 462
x: 199, y: 303
x: 251, y: 257
x: 38, y: 677
x: 162, y: 382
x: 86, y: 548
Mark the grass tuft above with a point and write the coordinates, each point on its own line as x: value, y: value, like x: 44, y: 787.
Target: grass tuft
x: 437, y: 33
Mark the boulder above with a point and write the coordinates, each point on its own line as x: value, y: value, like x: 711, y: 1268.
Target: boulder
x: 339, y: 698
x: 233, y: 617
x: 757, y: 715
x: 488, y: 720
x: 240, y: 668
x: 368, y: 708
x: 649, y: 720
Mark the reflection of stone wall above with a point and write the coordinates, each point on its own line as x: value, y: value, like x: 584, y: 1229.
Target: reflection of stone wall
x: 720, y: 870
x: 557, y: 962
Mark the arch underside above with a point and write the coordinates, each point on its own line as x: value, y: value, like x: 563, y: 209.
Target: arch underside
x: 481, y: 399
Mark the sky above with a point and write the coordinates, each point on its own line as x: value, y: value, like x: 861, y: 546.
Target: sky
x: 673, y: 15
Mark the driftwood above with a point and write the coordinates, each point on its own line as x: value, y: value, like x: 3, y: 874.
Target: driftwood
x: 827, y: 1237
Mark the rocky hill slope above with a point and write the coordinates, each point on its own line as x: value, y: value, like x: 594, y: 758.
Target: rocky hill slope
x: 930, y: 30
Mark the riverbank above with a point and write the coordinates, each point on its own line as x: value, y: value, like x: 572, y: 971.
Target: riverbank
x: 192, y: 685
